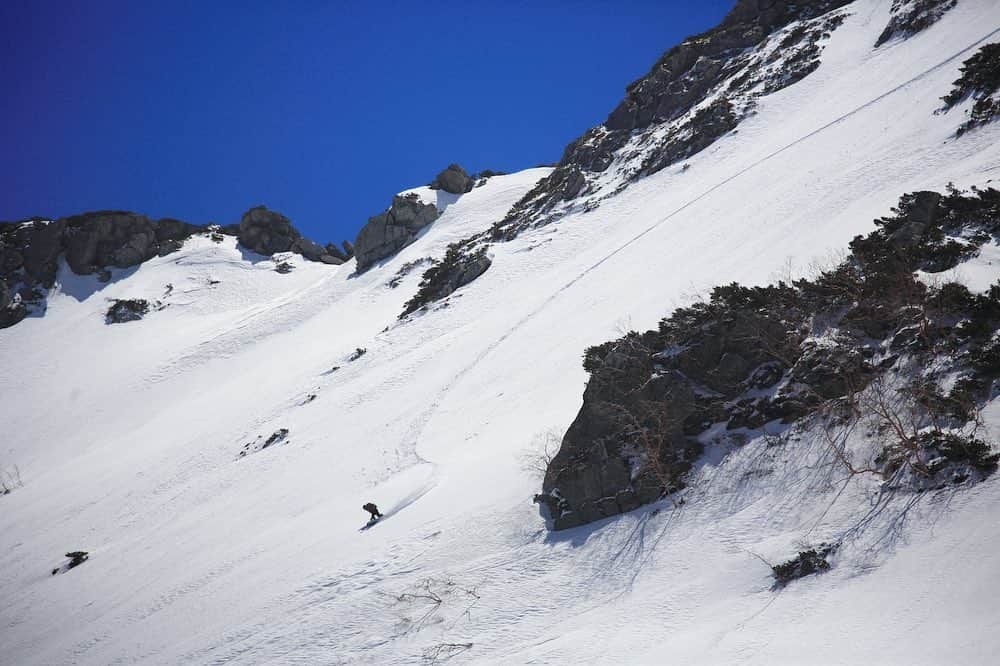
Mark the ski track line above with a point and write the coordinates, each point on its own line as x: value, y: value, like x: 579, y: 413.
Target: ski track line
x: 426, y: 416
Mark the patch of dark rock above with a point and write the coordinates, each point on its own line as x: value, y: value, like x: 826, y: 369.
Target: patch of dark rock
x: 76, y: 558
x: 344, y: 254
x: 909, y: 17
x: 284, y: 267
x: 12, y: 310
x: 701, y: 73
x: 277, y: 437
x: 936, y: 459
x: 751, y: 356
x: 103, y: 239
x: 683, y: 80
x: 356, y: 354
x: 806, y: 563
x: 269, y: 232
x: 387, y: 233
x: 453, y: 180
x: 457, y: 268
x: 29, y: 251
x: 125, y: 310
x: 702, y: 130
x: 980, y: 80
x: 94, y: 242
x: 91, y: 243
x: 266, y: 232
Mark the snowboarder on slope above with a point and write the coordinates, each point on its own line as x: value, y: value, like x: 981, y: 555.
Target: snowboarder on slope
x: 372, y: 509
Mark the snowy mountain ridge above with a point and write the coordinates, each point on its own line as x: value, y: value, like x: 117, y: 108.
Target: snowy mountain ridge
x: 212, y: 457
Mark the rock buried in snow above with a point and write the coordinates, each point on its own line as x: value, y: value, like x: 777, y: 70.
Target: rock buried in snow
x: 76, y: 558
x: 126, y: 310
x: 277, y: 437
x: 806, y: 563
x: 390, y: 231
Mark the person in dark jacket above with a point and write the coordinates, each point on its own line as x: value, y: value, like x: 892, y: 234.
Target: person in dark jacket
x: 372, y: 509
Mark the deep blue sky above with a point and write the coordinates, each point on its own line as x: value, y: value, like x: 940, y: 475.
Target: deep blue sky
x: 321, y: 110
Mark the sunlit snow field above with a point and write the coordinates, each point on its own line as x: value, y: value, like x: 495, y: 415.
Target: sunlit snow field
x: 127, y: 437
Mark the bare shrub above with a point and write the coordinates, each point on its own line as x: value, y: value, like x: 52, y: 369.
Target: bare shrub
x: 444, y: 651
x: 537, y: 456
x: 423, y: 601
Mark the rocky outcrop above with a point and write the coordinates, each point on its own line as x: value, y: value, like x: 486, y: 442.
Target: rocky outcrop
x: 453, y: 179
x: 685, y: 73
x: 980, y: 80
x: 122, y: 311
x: 268, y: 232
x: 279, y: 436
x: 696, y: 92
x: 76, y: 558
x: 750, y: 356
x: 908, y: 17
x: 456, y: 269
x: 11, y: 308
x: 387, y: 233
x: 94, y: 242
x: 806, y: 563
x: 345, y: 254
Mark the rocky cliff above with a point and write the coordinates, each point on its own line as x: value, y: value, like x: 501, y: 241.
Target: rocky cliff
x: 865, y: 339
x: 95, y: 242
x: 694, y: 94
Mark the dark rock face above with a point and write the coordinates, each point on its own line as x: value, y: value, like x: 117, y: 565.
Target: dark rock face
x: 705, y: 127
x: 126, y: 310
x: 806, y: 563
x: 454, y: 179
x: 686, y: 72
x: 651, y: 394
x: 343, y: 255
x: 35, y: 247
x: 29, y: 254
x: 170, y: 229
x: 749, y: 356
x: 710, y: 70
x: 908, y: 17
x: 11, y: 308
x: 268, y: 232
x: 696, y: 93
x: 389, y: 232
x: 94, y: 242
x: 108, y: 238
x: 606, y: 464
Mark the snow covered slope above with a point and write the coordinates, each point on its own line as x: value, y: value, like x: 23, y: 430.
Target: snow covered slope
x: 128, y: 437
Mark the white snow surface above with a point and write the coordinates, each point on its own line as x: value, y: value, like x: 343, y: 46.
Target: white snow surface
x: 127, y: 437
